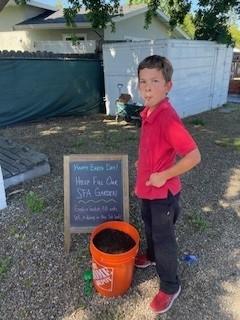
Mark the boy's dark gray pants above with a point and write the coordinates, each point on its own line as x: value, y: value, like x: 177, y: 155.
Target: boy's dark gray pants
x: 159, y: 217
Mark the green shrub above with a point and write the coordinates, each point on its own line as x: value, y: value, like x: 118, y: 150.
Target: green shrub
x: 229, y: 142
x: 197, y: 122
x: 198, y: 222
x: 4, y: 265
x: 34, y: 203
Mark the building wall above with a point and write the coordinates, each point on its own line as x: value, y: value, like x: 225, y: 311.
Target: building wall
x: 14, y: 40
x: 28, y: 40
x: 12, y: 15
x: 134, y: 28
x: 32, y: 40
x: 200, y: 79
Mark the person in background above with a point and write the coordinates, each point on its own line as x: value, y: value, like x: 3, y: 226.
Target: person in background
x: 163, y: 137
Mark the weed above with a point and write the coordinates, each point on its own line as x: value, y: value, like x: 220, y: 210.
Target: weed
x: 23, y: 314
x: 111, y: 315
x: 13, y: 230
x: 79, y: 143
x: 34, y: 202
x: 198, y: 222
x: 114, y: 139
x: 28, y: 283
x: 20, y: 236
x: 4, y: 265
x: 82, y: 306
x: 229, y: 142
x: 23, y: 221
x: 197, y: 122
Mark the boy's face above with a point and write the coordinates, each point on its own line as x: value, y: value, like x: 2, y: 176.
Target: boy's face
x: 153, y: 87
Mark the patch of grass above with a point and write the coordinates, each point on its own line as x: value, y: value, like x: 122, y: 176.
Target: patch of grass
x: 82, y: 306
x: 28, y: 283
x: 23, y: 220
x: 4, y: 266
x: 107, y: 314
x: 109, y: 140
x: 113, y: 140
x: 20, y: 236
x: 23, y: 314
x: 82, y: 145
x: 197, y: 122
x: 13, y: 230
x: 229, y: 142
x: 79, y: 143
x: 198, y: 222
x: 59, y: 217
x: 111, y: 143
x: 132, y: 138
x: 34, y: 203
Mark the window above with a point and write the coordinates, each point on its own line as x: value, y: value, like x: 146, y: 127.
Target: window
x: 75, y: 37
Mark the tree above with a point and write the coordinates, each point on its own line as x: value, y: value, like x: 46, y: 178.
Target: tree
x: 235, y: 34
x: 188, y: 25
x: 101, y: 12
x: 212, y: 19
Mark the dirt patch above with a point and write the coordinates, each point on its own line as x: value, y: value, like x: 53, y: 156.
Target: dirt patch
x: 113, y: 241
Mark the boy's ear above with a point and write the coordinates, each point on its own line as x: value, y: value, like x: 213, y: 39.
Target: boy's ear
x: 169, y: 85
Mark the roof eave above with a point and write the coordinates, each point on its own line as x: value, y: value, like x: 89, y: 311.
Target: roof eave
x: 182, y: 33
x: 129, y: 14
x: 52, y: 26
x: 34, y: 3
x: 160, y: 14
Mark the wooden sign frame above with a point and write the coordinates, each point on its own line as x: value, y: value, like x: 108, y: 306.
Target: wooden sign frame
x: 68, y: 229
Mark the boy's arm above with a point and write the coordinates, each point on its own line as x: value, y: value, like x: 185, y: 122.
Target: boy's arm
x: 190, y: 160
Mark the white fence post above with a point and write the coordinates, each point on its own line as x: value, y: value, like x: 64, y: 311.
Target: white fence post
x: 3, y: 203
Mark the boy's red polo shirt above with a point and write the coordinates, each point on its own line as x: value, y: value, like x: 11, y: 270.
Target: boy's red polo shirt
x: 163, y: 137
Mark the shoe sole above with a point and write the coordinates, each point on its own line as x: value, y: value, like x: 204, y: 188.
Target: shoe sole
x: 170, y: 305
x: 145, y: 266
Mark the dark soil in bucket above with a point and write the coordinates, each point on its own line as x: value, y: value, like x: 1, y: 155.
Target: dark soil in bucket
x: 113, y: 241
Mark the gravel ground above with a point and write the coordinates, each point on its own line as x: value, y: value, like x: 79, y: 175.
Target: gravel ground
x: 37, y: 280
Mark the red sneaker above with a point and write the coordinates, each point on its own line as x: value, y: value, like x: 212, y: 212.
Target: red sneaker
x: 141, y: 261
x: 162, y: 301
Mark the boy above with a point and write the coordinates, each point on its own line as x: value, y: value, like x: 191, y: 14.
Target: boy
x: 163, y: 137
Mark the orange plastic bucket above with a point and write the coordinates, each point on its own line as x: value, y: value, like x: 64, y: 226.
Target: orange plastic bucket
x: 113, y: 273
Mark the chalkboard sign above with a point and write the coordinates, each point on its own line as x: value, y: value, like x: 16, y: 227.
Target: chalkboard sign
x: 95, y: 191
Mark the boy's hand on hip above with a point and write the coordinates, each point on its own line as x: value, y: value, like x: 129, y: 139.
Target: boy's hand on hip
x: 136, y: 164
x: 157, y: 179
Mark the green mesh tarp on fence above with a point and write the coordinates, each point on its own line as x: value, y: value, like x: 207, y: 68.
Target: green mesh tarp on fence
x: 34, y: 89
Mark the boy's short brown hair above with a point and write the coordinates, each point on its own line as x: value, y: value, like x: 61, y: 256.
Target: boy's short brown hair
x: 159, y: 63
